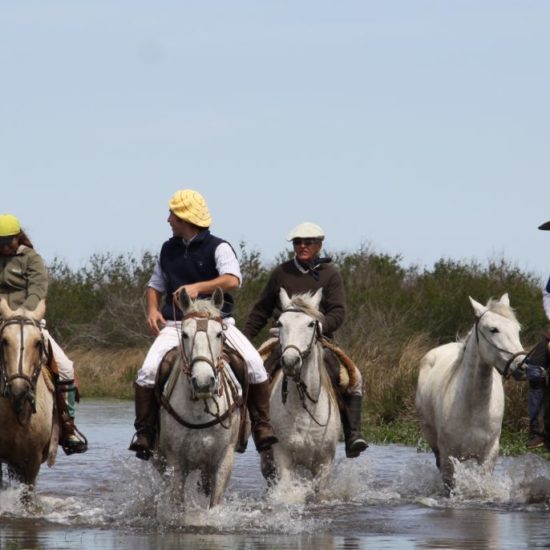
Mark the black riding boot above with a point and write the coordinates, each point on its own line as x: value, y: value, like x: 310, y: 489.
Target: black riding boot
x: 146, y: 422
x: 351, y: 422
x: 258, y: 407
x: 71, y: 439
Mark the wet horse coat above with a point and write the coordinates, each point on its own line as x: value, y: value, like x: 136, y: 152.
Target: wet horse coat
x: 26, y: 401
x: 199, y: 420
x: 304, y: 409
x: 460, y: 396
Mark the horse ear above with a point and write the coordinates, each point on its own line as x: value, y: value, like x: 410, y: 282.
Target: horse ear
x: 479, y: 309
x: 184, y: 301
x: 40, y: 311
x: 285, y: 300
x: 5, y: 310
x: 505, y: 299
x: 317, y: 298
x: 217, y: 298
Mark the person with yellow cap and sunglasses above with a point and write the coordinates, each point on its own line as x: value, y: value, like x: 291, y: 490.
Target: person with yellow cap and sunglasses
x: 23, y: 284
x: 199, y: 262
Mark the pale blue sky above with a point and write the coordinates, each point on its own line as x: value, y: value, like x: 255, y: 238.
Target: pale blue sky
x: 418, y: 127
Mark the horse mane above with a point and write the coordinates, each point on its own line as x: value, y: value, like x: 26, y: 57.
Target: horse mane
x: 203, y: 306
x: 304, y: 303
x: 496, y: 306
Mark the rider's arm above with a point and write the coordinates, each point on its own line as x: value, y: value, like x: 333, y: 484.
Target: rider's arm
x: 229, y: 276
x: 263, y: 309
x: 546, y: 299
x: 37, y: 280
x: 334, y: 303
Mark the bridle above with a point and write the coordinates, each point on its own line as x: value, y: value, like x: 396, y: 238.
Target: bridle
x: 218, y: 368
x: 505, y: 372
x: 301, y: 386
x: 5, y: 379
x: 216, y: 363
x: 316, y: 335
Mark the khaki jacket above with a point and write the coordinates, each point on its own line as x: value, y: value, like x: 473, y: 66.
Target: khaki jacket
x: 23, y: 279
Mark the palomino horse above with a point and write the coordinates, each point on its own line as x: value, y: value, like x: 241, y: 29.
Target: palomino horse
x: 460, y: 397
x: 26, y: 394
x: 200, y: 415
x: 304, y: 408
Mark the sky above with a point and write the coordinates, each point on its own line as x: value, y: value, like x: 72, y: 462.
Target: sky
x: 414, y: 128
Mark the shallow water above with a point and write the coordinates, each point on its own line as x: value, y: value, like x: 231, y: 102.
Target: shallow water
x: 390, y: 497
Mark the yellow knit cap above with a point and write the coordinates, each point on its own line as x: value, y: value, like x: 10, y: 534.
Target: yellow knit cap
x: 191, y: 207
x: 9, y: 225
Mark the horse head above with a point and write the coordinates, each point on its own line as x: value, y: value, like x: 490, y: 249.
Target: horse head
x: 22, y: 354
x: 497, y: 335
x: 299, y: 328
x: 202, y: 342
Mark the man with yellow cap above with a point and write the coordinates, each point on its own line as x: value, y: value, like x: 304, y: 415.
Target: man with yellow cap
x: 536, y: 371
x: 308, y: 272
x: 23, y: 284
x: 199, y: 262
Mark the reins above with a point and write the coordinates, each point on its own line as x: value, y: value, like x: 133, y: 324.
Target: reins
x: 513, y: 356
x: 227, y: 386
x: 32, y: 380
x: 301, y: 386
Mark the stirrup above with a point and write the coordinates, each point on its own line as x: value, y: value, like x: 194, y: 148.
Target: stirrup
x: 74, y: 443
x: 356, y: 447
x: 141, y: 452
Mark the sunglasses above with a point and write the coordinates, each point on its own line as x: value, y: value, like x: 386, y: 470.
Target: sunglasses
x: 305, y: 242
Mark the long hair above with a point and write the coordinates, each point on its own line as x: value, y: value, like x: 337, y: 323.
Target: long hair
x: 22, y: 238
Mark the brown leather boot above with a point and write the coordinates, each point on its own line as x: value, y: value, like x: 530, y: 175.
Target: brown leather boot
x: 351, y: 422
x: 71, y: 439
x: 146, y: 422
x: 258, y: 407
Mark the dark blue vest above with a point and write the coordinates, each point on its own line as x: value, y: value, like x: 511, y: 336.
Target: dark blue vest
x: 183, y: 264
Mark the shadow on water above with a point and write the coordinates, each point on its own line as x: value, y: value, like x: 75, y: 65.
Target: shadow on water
x: 390, y: 497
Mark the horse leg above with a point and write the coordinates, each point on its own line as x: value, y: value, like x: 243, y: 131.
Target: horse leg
x: 221, y: 477
x: 205, y: 482
x: 435, y: 451
x: 269, y: 471
x: 447, y: 472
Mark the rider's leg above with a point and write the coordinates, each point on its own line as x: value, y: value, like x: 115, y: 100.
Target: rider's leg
x: 258, y: 390
x: 144, y: 392
x: 352, y: 405
x: 66, y: 396
x: 536, y: 377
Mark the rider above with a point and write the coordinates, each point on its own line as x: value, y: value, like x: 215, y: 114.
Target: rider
x: 308, y: 272
x: 537, y: 365
x: 197, y: 261
x: 23, y: 283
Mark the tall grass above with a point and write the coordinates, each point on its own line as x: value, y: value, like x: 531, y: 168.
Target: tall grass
x: 395, y: 313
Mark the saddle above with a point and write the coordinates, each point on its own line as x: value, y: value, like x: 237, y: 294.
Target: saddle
x: 339, y: 366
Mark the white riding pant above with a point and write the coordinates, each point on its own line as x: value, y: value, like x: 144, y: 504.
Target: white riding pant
x: 64, y: 365
x: 169, y: 338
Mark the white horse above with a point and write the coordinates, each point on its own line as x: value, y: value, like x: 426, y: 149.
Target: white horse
x: 460, y: 397
x: 304, y: 408
x: 27, y: 435
x: 200, y: 414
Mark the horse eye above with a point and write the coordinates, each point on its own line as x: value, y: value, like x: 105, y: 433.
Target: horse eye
x: 312, y: 324
x: 219, y: 335
x: 494, y: 330
x: 184, y: 335
x: 277, y: 324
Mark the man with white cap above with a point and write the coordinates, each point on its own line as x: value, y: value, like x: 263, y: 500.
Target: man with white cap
x: 308, y: 272
x: 537, y: 364
x: 197, y: 261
